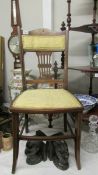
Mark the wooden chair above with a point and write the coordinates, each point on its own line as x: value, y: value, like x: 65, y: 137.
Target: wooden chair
x: 45, y: 101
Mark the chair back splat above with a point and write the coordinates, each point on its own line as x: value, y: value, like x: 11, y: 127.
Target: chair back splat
x: 48, y: 100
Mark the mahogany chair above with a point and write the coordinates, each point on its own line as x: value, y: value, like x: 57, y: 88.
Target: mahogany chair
x: 45, y: 101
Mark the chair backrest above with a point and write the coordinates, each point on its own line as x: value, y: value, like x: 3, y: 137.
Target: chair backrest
x: 44, y: 58
x: 44, y: 43
x: 44, y: 64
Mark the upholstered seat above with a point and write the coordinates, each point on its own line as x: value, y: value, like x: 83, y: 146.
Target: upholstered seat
x: 51, y: 99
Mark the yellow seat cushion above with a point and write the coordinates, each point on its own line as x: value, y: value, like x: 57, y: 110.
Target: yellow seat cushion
x: 46, y: 99
x: 43, y: 43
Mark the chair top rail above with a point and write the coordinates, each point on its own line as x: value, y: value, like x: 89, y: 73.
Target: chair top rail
x: 36, y: 43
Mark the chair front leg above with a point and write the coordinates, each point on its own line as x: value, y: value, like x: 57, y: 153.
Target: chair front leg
x: 15, y: 123
x: 77, y: 139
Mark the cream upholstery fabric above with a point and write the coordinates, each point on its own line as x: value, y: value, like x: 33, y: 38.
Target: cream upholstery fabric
x: 47, y: 43
x: 46, y: 99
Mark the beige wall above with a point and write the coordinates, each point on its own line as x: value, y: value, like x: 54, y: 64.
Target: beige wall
x: 81, y: 11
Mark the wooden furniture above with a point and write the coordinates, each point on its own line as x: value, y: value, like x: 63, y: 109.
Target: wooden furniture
x: 91, y: 71
x: 87, y: 69
x: 45, y: 101
x: 93, y: 30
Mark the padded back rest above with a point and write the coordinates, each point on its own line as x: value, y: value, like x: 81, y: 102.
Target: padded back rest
x: 42, y: 43
x: 44, y: 58
x: 44, y: 39
x: 53, y: 43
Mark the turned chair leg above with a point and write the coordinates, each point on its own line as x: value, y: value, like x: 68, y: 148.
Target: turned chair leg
x: 78, y: 139
x: 15, y: 120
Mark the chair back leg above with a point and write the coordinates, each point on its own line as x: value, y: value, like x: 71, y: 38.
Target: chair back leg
x: 15, y: 140
x: 78, y: 139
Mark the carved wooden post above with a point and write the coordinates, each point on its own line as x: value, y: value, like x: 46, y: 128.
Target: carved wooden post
x: 69, y: 14
x: 63, y: 27
x: 94, y: 11
x: 15, y: 21
x: 55, y: 72
x: 15, y: 15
